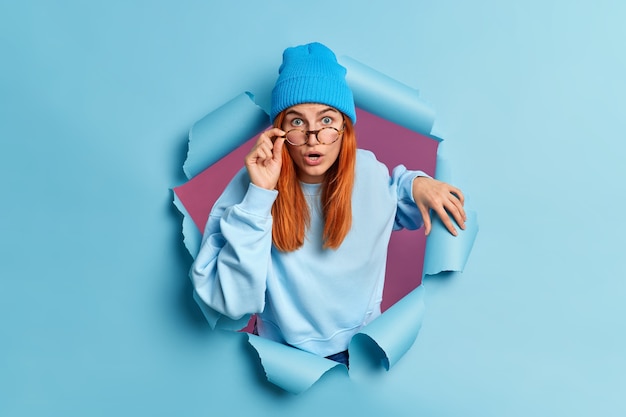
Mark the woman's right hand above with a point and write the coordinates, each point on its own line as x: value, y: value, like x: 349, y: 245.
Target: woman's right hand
x: 265, y: 159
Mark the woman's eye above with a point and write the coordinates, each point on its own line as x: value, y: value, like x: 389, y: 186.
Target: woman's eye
x: 327, y: 120
x: 297, y: 122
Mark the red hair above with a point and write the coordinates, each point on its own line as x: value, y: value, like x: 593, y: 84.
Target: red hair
x: 290, y: 212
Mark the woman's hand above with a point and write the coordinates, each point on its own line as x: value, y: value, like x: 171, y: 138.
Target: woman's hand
x: 265, y: 159
x: 445, y: 200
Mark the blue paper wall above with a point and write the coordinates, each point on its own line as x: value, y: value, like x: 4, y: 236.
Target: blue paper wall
x: 96, y: 100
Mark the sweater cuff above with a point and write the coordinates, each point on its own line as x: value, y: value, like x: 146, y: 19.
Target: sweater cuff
x: 404, y: 180
x: 258, y: 201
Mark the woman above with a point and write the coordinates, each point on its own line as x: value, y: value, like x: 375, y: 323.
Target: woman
x: 300, y: 234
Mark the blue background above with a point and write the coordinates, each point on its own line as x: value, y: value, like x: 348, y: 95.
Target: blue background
x: 97, y: 97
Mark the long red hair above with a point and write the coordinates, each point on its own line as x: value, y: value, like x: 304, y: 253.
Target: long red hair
x: 290, y: 212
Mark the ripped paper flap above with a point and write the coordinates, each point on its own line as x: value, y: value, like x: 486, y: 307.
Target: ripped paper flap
x: 222, y: 130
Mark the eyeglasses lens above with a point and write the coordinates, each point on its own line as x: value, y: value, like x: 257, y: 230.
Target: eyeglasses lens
x: 326, y: 135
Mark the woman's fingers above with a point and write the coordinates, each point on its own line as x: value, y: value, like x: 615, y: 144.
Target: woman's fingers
x: 265, y: 159
x: 445, y: 200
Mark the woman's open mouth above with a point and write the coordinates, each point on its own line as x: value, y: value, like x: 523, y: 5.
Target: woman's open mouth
x: 313, y: 158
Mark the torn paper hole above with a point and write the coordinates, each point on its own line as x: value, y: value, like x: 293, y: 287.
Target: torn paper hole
x: 216, y: 153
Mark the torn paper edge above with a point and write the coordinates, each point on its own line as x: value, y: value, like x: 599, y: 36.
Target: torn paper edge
x: 445, y: 252
x: 291, y: 369
x: 390, y: 99
x: 215, y: 135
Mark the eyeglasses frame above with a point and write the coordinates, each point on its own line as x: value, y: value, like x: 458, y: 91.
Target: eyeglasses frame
x: 307, y: 134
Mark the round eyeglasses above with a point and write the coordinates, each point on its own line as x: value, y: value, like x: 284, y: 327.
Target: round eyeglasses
x: 325, y: 136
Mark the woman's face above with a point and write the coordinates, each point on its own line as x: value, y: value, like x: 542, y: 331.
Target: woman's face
x: 313, y: 159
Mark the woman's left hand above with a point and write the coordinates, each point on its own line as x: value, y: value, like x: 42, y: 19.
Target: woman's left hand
x: 442, y: 198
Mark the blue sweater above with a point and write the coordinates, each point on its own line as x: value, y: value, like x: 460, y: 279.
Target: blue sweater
x: 314, y: 299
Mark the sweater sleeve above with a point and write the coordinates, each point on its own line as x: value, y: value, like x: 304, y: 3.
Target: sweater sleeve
x: 408, y: 215
x: 230, y: 271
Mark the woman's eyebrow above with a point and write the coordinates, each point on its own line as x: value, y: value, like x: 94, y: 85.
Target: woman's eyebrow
x: 326, y: 110
x: 293, y: 112
x: 319, y: 113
